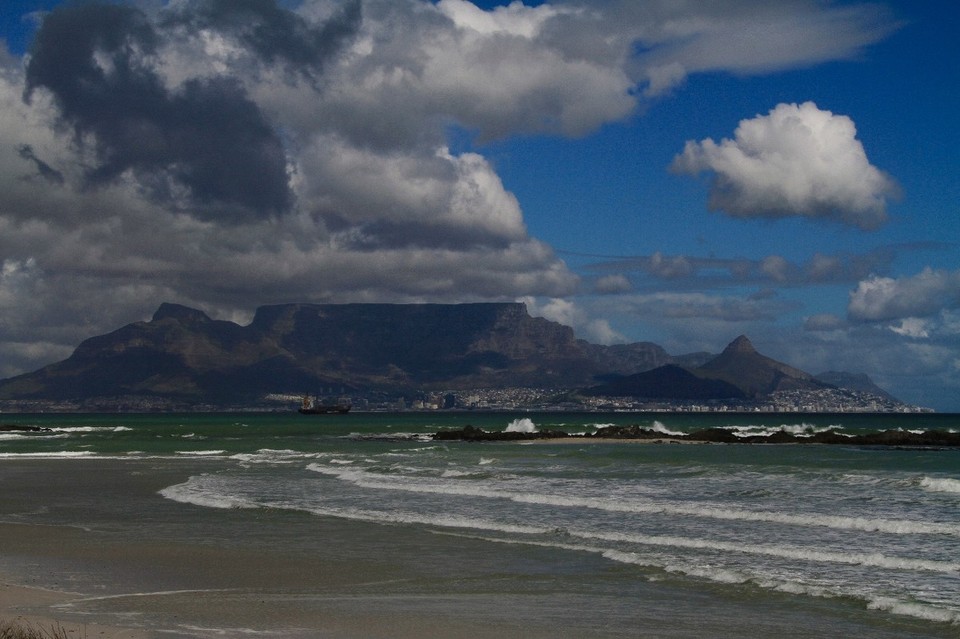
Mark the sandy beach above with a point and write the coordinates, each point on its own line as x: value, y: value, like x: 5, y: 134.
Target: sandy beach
x: 208, y: 591
x: 35, y: 608
x: 206, y: 527
x: 184, y: 578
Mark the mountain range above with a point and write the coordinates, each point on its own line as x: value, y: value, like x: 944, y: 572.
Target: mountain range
x: 739, y: 372
x: 183, y: 355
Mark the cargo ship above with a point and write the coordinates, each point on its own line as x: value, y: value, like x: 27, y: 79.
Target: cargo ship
x: 311, y: 406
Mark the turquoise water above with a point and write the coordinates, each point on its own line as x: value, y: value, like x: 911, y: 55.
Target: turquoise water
x: 873, y: 534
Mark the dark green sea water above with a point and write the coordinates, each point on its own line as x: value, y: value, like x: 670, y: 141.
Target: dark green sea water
x: 673, y: 540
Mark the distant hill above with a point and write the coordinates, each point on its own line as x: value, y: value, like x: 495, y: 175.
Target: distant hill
x: 755, y: 374
x: 739, y: 372
x: 669, y: 382
x: 183, y: 356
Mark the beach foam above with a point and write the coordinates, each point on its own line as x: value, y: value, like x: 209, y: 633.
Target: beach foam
x: 941, y: 484
x: 376, y: 481
x: 522, y: 425
x: 203, y: 491
x: 658, y: 427
x: 914, y: 609
x: 61, y: 454
x: 201, y: 453
x: 876, y: 560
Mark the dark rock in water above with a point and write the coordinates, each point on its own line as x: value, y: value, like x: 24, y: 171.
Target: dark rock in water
x: 781, y: 437
x: 626, y: 432
x: 828, y: 437
x: 718, y: 435
x: 473, y: 434
x: 905, y: 438
x: 896, y: 438
x: 7, y: 428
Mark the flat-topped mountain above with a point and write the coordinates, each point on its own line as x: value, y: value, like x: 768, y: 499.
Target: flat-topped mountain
x: 182, y: 353
x: 183, y: 356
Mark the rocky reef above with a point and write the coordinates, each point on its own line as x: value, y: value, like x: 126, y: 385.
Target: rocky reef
x: 896, y: 438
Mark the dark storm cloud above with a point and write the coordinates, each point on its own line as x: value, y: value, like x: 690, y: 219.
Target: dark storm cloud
x: 46, y: 171
x: 273, y: 33
x: 207, y: 136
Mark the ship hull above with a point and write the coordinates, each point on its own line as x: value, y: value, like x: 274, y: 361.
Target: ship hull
x: 325, y: 410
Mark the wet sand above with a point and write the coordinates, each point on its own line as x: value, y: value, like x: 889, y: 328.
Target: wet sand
x: 31, y: 608
x: 215, y: 592
x: 183, y: 576
x: 92, y: 545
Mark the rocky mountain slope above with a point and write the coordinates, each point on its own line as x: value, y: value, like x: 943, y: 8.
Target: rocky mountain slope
x: 854, y: 381
x: 181, y: 353
x: 739, y: 372
x: 183, y: 356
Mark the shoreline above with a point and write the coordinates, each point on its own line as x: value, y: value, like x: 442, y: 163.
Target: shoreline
x: 90, y: 540
x: 32, y: 608
x: 200, y: 572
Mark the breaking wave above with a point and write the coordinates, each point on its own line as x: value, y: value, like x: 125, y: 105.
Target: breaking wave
x: 941, y: 485
x: 522, y: 425
x: 376, y: 481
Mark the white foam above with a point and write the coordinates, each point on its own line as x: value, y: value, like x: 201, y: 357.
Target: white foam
x: 457, y: 473
x: 157, y: 593
x: 375, y: 481
x: 190, y: 493
x: 62, y: 454
x: 522, y: 425
x: 940, y: 484
x: 89, y: 429
x: 274, y: 456
x: 876, y: 560
x: 441, y: 521
x: 660, y: 428
x: 732, y: 576
x: 914, y: 609
x: 203, y: 631
x: 892, y: 526
x: 802, y: 429
x: 201, y: 453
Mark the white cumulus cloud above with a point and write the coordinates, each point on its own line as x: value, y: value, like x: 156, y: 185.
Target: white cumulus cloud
x: 569, y: 313
x: 302, y: 151
x: 918, y: 296
x: 798, y: 160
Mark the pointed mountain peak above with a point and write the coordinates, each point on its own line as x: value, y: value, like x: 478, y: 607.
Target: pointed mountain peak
x: 740, y: 345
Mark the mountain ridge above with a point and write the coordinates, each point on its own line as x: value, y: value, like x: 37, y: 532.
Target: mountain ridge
x: 184, y: 355
x: 737, y: 373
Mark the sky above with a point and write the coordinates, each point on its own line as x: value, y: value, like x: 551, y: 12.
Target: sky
x: 665, y: 171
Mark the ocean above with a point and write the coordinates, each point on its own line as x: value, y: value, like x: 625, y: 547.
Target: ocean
x: 380, y: 531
